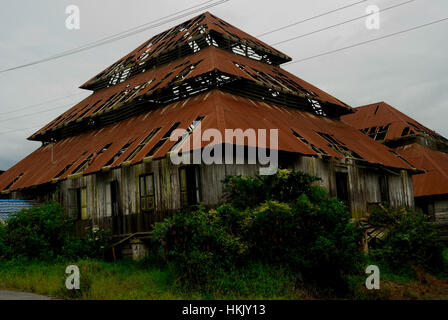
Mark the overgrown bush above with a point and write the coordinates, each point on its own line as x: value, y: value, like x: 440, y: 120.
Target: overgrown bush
x: 4, y: 251
x: 307, y: 232
x: 37, y: 232
x: 405, y: 238
x: 93, y: 245
x: 199, y: 242
x: 247, y: 192
x: 43, y: 233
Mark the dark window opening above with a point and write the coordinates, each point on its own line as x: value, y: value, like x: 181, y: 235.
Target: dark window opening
x: 405, y: 131
x: 77, y: 203
x: 379, y: 134
x: 384, y: 189
x: 190, y: 189
x: 342, y: 187
x: 147, y: 193
x: 111, y: 199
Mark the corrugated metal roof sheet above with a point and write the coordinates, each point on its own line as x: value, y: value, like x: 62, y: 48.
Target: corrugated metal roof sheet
x: 204, y: 61
x: 381, y: 114
x: 435, y: 163
x: 9, y: 207
x: 185, y: 32
x: 113, y: 145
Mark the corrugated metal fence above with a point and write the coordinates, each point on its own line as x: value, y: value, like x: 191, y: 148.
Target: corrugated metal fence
x: 9, y: 207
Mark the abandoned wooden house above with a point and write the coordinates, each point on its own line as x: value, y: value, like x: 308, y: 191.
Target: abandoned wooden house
x: 108, y: 158
x: 423, y: 147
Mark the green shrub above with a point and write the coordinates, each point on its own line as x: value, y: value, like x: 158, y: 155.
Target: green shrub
x: 248, y: 192
x: 4, y: 250
x: 38, y: 232
x: 198, y: 242
x: 406, y: 238
x: 43, y: 233
x: 311, y: 235
x: 93, y: 245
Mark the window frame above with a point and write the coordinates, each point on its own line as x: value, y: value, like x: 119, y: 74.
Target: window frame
x: 144, y: 193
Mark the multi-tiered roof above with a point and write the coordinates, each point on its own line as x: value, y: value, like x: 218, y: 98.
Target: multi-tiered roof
x: 201, y: 69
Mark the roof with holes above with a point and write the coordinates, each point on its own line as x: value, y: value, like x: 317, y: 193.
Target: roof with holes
x: 144, y: 137
x: 151, y: 83
x: 185, y: 39
x: 435, y: 179
x: 383, y: 122
x: 198, y: 55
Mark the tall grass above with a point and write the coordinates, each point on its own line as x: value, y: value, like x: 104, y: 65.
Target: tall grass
x: 142, y: 281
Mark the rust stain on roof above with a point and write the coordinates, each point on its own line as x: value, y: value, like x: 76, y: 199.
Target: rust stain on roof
x: 374, y: 116
x: 204, y: 61
x: 115, y: 145
x: 435, y: 163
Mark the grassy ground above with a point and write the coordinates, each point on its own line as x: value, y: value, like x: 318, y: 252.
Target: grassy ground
x: 146, y: 280
x: 129, y: 280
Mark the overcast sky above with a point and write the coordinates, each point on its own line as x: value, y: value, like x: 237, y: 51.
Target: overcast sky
x: 408, y: 71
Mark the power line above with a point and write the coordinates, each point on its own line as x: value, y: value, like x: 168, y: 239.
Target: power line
x: 311, y: 18
x: 42, y: 103
x: 368, y: 41
x: 341, y: 23
x: 122, y: 35
x: 302, y: 60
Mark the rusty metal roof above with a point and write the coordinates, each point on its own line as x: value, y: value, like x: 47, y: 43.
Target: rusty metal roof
x: 435, y: 163
x: 180, y: 71
x: 190, y: 36
x: 371, y: 118
x: 131, y: 141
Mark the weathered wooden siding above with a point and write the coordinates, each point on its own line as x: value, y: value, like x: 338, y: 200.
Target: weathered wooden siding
x: 363, y: 188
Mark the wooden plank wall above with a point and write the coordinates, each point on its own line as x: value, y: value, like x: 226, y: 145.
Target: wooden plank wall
x: 363, y: 185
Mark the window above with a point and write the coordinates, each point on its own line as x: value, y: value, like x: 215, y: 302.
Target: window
x: 108, y: 200
x: 381, y: 133
x: 190, y: 190
x: 384, y: 189
x: 147, y: 192
x: 77, y: 203
x: 342, y: 187
x: 84, y: 211
x: 73, y: 204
